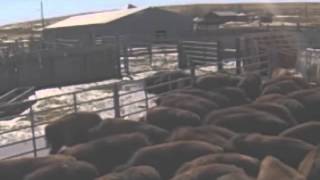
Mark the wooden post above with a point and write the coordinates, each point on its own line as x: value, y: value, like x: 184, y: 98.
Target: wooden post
x: 34, y: 143
x: 116, y: 101
x: 219, y: 56
x: 238, y: 58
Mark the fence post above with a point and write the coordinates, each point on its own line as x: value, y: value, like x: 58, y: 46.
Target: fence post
x: 75, y: 106
x: 146, y: 95
x: 34, y: 143
x: 238, y: 58
x: 150, y: 54
x: 116, y: 100
x: 182, y: 61
x: 126, y: 60
x: 273, y: 53
x: 219, y: 56
x: 192, y: 69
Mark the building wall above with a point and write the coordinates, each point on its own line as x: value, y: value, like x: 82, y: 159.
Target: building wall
x: 143, y: 24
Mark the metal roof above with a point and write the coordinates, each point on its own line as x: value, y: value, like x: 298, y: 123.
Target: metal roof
x: 95, y: 18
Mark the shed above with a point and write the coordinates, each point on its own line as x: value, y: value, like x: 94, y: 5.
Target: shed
x: 135, y: 23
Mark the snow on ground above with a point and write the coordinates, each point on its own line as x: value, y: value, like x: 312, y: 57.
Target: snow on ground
x: 55, y: 102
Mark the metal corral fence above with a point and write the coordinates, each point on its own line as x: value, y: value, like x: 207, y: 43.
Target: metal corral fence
x: 23, y: 135
x: 148, y: 56
x: 308, y: 64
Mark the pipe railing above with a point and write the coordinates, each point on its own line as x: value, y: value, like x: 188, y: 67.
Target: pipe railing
x: 115, y: 93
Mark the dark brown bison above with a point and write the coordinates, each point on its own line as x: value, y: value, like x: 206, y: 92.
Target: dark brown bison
x: 310, y: 166
x: 236, y: 95
x: 207, y: 172
x: 134, y: 173
x: 269, y: 98
x: 253, y: 122
x: 164, y: 81
x: 167, y: 158
x: 275, y: 109
x: 311, y: 102
x: 290, y: 151
x: 308, y: 132
x: 282, y: 87
x: 16, y: 169
x: 194, y: 104
x: 210, y: 134
x: 302, y: 83
x: 251, y: 84
x: 236, y: 176
x: 219, y: 99
x: 69, y: 130
x: 74, y: 170
x: 171, y: 118
x: 249, y: 164
x: 212, y: 82
x: 296, y: 108
x: 110, y: 152
x: 111, y: 127
x: 272, y: 169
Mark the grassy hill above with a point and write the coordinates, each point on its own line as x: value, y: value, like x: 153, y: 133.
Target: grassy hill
x: 308, y: 9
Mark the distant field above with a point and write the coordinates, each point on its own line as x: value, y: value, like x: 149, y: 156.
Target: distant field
x: 308, y: 9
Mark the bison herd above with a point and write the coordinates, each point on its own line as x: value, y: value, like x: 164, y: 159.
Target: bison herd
x: 219, y: 128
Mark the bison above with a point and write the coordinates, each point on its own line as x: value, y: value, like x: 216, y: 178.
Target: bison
x: 110, y: 152
x: 290, y: 151
x: 74, y: 170
x: 171, y: 118
x: 69, y: 130
x: 134, y: 173
x: 168, y: 157
x: 16, y: 169
x: 116, y: 126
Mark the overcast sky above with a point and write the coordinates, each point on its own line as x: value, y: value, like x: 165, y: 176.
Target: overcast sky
x: 23, y: 10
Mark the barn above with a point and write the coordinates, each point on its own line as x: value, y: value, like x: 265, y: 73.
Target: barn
x: 134, y: 23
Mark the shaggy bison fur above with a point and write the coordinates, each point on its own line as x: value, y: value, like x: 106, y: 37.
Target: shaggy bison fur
x: 308, y: 132
x: 211, y: 171
x: 69, y: 130
x: 273, y: 168
x: 212, y: 82
x: 168, y: 81
x: 116, y: 126
x: 290, y: 151
x: 171, y: 118
x: 134, y: 173
x: 210, y: 134
x: 74, y: 170
x: 168, y: 157
x: 310, y: 166
x: 194, y: 104
x: 251, y: 84
x: 253, y: 122
x: 17, y: 169
x: 110, y: 152
x: 249, y: 164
